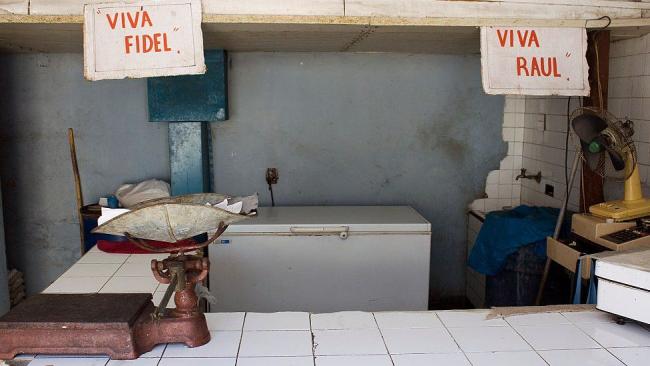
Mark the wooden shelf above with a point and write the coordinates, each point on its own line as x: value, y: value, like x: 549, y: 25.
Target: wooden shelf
x: 327, y: 33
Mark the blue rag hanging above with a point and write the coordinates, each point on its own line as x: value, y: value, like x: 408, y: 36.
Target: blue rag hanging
x: 504, y: 232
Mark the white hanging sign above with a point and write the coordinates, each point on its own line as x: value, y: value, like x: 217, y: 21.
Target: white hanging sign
x: 534, y: 61
x: 143, y: 39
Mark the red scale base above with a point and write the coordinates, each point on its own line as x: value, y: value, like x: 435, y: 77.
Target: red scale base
x: 118, y: 325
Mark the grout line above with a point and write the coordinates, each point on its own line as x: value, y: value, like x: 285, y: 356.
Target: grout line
x: 313, y: 344
x: 381, y: 334
x: 241, y: 337
x: 452, y: 337
x: 113, y: 275
x: 525, y: 340
x: 594, y: 339
x: 163, y: 351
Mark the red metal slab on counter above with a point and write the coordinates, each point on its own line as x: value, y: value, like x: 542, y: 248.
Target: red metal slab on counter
x: 118, y: 325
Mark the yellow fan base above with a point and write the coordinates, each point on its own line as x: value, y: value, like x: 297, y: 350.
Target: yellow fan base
x: 633, y: 206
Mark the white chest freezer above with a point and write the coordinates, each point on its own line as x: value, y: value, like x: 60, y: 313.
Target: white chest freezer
x: 624, y: 284
x: 323, y: 259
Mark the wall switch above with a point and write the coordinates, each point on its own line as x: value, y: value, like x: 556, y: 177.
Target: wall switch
x: 549, y: 190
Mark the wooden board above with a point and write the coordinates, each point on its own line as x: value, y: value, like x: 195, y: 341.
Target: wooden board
x: 310, y: 33
x: 487, y: 9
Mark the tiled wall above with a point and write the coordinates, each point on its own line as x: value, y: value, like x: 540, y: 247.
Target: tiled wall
x: 535, y: 128
x: 629, y: 92
x: 545, y: 133
x: 501, y: 189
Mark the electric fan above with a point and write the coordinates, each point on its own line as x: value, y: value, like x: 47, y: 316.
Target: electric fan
x: 602, y: 135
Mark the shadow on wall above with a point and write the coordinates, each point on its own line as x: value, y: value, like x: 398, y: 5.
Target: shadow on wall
x: 41, y: 96
x: 366, y: 129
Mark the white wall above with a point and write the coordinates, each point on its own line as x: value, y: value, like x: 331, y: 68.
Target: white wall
x: 545, y: 126
x: 629, y: 96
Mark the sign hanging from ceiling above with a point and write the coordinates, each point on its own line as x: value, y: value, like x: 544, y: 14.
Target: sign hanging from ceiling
x: 143, y: 39
x: 534, y: 61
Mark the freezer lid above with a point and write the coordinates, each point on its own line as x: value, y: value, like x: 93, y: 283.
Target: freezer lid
x: 311, y: 219
x: 629, y: 268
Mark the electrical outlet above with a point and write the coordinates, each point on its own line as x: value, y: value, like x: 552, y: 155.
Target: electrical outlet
x: 549, y: 190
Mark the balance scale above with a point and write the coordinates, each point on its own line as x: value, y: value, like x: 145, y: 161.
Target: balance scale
x: 125, y: 326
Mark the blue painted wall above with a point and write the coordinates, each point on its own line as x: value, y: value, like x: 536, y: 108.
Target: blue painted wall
x: 341, y: 129
x: 365, y: 129
x: 41, y: 96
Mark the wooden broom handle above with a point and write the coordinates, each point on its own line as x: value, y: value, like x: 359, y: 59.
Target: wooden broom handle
x: 77, y: 187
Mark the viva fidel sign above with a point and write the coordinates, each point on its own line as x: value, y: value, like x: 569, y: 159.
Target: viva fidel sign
x: 143, y: 39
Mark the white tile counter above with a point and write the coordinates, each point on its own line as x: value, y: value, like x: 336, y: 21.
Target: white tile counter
x: 446, y: 338
x: 110, y: 273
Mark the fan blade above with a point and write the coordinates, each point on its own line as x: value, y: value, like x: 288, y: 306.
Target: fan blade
x: 593, y: 160
x: 617, y: 158
x: 588, y: 126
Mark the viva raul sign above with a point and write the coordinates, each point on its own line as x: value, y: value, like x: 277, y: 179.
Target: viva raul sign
x: 143, y: 39
x: 534, y: 61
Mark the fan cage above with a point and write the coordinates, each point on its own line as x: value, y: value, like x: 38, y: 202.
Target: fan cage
x: 624, y: 144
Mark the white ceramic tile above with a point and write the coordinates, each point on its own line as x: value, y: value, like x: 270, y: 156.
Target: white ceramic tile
x: 197, y: 362
x: 343, y: 320
x: 635, y: 356
x: 91, y: 270
x: 589, y: 317
x: 427, y: 340
x: 138, y: 362
x: 134, y: 269
x: 469, y: 318
x: 130, y: 285
x: 69, y: 361
x: 275, y: 361
x: 157, y: 298
x: 369, y: 360
x: 76, y: 285
x: 527, y: 358
x: 348, y: 342
x: 555, y: 336
x: 145, y: 258
x: 276, y: 343
x: 449, y: 359
x: 222, y: 344
x: 401, y: 320
x: 156, y: 352
x: 162, y: 287
x: 101, y: 257
x: 488, y: 339
x: 94, y: 249
x: 225, y: 321
x: 277, y: 321
x: 617, y: 335
x: 580, y: 357
x: 537, y: 319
